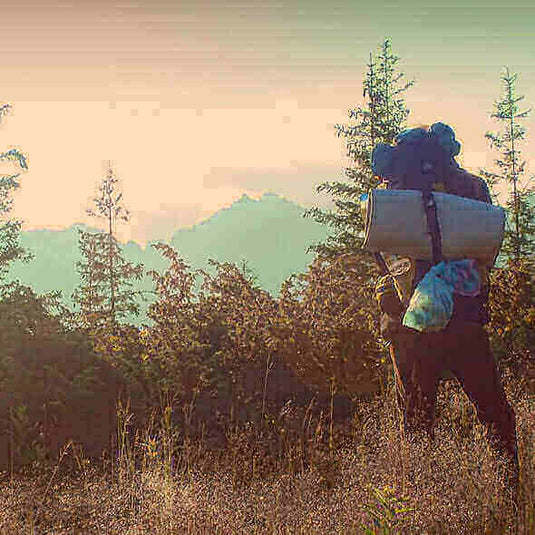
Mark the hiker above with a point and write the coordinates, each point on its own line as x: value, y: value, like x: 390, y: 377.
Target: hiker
x: 424, y: 159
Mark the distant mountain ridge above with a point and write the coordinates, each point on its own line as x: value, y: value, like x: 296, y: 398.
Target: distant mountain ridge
x: 271, y: 234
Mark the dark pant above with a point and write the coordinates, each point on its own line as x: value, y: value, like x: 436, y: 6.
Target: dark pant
x: 421, y: 359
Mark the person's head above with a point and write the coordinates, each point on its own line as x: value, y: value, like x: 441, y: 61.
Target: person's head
x: 420, y: 154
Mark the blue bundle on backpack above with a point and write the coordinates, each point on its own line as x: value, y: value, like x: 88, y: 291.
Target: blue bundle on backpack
x: 431, y: 305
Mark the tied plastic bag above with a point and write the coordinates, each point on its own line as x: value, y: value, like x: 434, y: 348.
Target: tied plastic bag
x: 431, y: 305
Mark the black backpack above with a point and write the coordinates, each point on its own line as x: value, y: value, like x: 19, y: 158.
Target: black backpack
x: 423, y: 160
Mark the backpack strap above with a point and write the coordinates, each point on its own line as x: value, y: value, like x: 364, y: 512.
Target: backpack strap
x: 437, y: 181
x: 430, y: 209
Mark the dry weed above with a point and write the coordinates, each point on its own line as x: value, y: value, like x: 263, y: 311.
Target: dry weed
x: 361, y: 477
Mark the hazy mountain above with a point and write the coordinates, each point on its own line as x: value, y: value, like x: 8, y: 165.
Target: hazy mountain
x: 270, y: 233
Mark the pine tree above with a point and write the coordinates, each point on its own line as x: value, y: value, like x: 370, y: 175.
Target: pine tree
x: 10, y: 248
x: 519, y: 235
x: 379, y: 120
x: 90, y: 295
x: 105, y: 295
x: 512, y: 289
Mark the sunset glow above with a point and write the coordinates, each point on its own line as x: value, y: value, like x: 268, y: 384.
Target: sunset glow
x: 196, y: 103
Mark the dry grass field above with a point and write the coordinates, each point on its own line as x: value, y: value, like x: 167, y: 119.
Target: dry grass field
x: 303, y: 476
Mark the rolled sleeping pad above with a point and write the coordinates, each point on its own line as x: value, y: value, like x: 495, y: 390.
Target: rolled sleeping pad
x: 396, y: 223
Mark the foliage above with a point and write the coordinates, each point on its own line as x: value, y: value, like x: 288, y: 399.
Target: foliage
x: 511, y: 301
x: 519, y: 238
x: 10, y: 248
x: 218, y: 341
x: 53, y: 386
x: 107, y: 204
x: 239, y: 317
x: 380, y: 120
x: 512, y: 315
x: 89, y: 296
x: 386, y: 511
x: 175, y: 354
x: 105, y: 294
x: 124, y: 349
x: 328, y: 330
x: 216, y: 344
x: 102, y: 269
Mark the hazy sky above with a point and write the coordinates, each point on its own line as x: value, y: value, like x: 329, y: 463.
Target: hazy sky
x: 197, y: 102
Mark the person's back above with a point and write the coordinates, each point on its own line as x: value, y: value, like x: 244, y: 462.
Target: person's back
x: 423, y: 159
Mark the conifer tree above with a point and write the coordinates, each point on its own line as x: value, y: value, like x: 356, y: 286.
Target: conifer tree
x: 90, y: 294
x: 380, y: 119
x: 105, y: 295
x: 511, y: 299
x: 519, y: 238
x: 10, y: 248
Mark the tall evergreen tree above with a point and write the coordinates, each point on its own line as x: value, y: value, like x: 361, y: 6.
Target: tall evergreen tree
x: 10, y: 248
x: 90, y: 294
x: 519, y: 238
x: 380, y: 119
x: 105, y: 294
x: 512, y: 295
x: 382, y: 116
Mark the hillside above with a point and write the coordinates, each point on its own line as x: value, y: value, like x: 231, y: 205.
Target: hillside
x: 270, y: 233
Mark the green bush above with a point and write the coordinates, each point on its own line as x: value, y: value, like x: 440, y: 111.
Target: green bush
x: 53, y: 387
x: 512, y: 317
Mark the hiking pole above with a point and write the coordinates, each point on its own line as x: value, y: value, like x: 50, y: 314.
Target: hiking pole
x: 381, y: 263
x: 400, y: 389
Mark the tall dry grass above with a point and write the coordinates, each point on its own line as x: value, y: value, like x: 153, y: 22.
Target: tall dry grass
x: 297, y: 473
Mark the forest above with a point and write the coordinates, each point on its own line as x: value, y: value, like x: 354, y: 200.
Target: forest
x: 236, y: 411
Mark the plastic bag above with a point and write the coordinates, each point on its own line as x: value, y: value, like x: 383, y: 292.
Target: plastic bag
x: 431, y: 305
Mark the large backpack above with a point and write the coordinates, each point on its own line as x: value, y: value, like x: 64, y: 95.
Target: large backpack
x: 424, y: 159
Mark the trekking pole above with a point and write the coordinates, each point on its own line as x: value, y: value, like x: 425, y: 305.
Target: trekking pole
x: 400, y: 389
x: 381, y: 263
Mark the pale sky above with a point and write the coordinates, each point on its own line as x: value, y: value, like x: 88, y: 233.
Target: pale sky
x: 198, y: 102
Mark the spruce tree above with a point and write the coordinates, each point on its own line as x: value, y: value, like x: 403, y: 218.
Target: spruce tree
x: 90, y: 294
x: 10, y: 247
x: 380, y: 119
x: 512, y: 289
x: 105, y: 294
x: 519, y: 234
